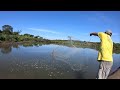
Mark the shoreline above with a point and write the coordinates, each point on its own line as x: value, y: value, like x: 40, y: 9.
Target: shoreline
x: 11, y: 43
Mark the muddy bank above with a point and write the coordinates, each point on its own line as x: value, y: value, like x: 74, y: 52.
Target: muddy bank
x: 5, y: 43
x: 115, y: 74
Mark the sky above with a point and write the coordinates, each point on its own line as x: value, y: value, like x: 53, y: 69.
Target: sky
x: 61, y: 24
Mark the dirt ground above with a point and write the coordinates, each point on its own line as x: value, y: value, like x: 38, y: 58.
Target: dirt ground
x: 115, y: 75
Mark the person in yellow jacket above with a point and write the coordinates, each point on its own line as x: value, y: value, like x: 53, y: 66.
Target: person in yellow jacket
x: 105, y: 53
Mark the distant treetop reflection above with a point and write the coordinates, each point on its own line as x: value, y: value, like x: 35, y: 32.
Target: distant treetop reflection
x: 6, y: 49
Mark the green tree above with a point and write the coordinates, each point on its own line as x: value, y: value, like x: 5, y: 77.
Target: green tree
x: 7, y: 29
x: 27, y: 35
x: 41, y: 38
x: 15, y: 33
x: 36, y: 36
x: 32, y: 36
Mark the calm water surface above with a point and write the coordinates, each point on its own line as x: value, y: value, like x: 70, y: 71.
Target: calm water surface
x: 50, y: 62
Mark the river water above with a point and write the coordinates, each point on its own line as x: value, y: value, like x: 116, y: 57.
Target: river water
x: 50, y: 62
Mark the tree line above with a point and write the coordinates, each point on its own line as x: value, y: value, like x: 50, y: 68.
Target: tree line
x: 7, y: 33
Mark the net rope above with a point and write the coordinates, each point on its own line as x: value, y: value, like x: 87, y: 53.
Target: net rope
x: 65, y: 54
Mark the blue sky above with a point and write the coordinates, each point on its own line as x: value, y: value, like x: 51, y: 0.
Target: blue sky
x: 61, y: 24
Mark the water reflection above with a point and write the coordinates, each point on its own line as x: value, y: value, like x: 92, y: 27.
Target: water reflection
x: 6, y: 49
x: 15, y: 46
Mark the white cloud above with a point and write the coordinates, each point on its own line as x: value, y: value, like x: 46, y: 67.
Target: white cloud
x: 44, y: 30
x: 50, y: 34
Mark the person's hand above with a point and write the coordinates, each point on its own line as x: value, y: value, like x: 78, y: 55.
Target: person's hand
x: 90, y: 34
